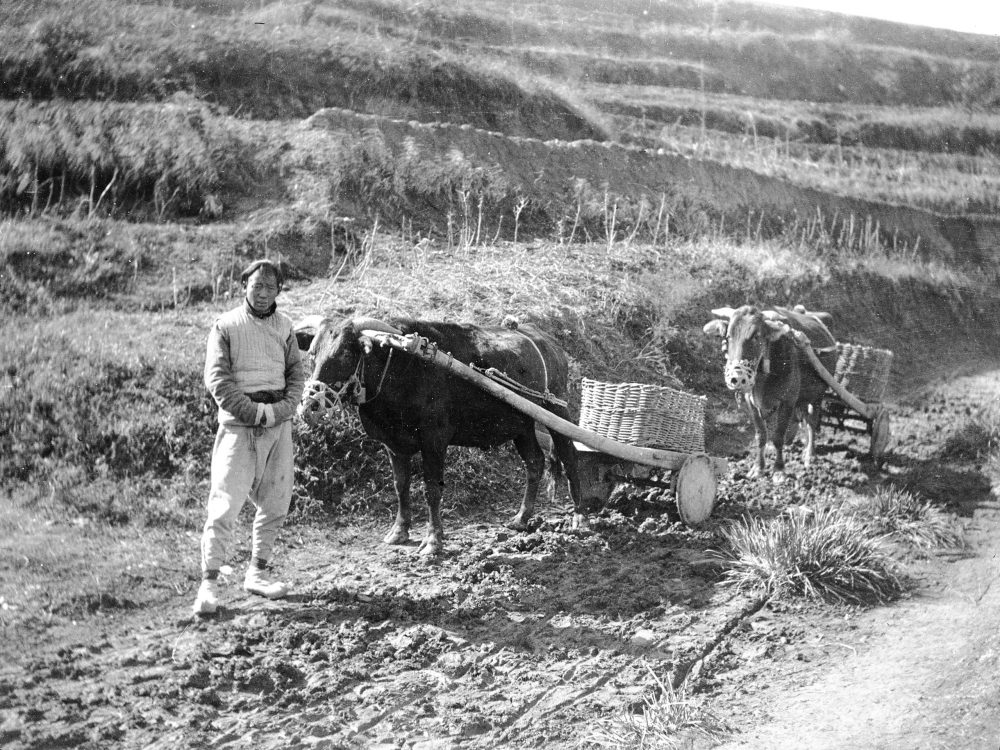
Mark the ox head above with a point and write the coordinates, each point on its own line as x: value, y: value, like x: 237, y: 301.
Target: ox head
x: 747, y: 333
x: 336, y: 356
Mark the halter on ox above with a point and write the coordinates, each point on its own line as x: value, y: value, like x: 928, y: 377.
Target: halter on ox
x: 320, y: 401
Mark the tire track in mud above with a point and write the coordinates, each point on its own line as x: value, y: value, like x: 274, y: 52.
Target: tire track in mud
x: 678, y: 676
x: 583, y: 678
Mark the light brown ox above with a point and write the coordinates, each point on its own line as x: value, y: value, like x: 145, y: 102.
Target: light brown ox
x: 771, y: 375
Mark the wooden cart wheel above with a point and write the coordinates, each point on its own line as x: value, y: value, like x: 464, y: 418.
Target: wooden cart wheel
x: 880, y: 433
x: 695, y: 486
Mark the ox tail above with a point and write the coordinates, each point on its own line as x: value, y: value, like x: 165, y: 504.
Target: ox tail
x: 553, y: 464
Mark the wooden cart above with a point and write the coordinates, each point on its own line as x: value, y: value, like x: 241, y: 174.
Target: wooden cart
x: 603, y: 460
x: 865, y: 370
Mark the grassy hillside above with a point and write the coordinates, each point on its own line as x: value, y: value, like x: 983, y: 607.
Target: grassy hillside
x: 265, y: 61
x: 857, y: 100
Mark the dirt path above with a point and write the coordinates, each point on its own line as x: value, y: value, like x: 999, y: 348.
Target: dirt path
x: 926, y: 679
x: 920, y: 674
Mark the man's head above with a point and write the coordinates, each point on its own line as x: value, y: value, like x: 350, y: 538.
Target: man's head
x: 262, y: 280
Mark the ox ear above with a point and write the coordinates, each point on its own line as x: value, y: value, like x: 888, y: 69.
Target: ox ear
x: 716, y: 327
x: 305, y: 330
x: 366, y: 343
x: 777, y: 328
x: 723, y: 312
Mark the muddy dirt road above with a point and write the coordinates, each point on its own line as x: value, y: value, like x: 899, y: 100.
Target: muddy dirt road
x: 922, y: 673
x: 531, y: 640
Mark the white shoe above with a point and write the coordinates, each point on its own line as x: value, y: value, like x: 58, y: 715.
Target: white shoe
x: 208, y: 598
x: 256, y: 583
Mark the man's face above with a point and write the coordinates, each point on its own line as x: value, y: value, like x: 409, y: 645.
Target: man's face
x: 262, y: 289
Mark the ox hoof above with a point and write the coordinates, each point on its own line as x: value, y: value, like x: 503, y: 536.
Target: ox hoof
x: 430, y: 548
x: 779, y: 477
x: 580, y: 524
x: 397, y: 536
x: 519, y: 523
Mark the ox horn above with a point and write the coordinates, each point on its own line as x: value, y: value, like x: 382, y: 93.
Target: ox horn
x: 373, y: 324
x: 822, y: 317
x: 723, y: 312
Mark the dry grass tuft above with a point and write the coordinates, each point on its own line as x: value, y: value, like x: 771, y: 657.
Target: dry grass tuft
x: 900, y: 515
x: 825, y: 555
x: 669, y: 719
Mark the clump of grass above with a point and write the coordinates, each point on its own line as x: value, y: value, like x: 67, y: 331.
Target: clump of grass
x: 368, y: 169
x: 825, y: 555
x: 667, y: 720
x: 977, y: 437
x: 900, y: 515
x: 100, y: 156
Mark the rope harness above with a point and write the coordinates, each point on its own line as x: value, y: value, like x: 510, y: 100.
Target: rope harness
x: 508, y: 382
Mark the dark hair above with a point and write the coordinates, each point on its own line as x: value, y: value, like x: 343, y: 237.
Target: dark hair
x: 267, y: 265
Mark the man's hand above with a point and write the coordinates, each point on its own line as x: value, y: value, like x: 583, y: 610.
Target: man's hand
x: 258, y: 419
x: 268, y: 419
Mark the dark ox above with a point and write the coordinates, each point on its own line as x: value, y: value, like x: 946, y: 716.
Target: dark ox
x: 413, y: 406
x: 771, y: 373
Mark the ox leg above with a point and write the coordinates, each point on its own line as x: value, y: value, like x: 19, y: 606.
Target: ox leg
x: 401, y: 470
x: 433, y: 461
x: 786, y: 414
x: 531, y: 453
x: 812, y: 431
x: 760, y: 432
x: 566, y: 453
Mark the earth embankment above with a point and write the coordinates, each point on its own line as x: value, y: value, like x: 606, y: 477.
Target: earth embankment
x: 541, y: 170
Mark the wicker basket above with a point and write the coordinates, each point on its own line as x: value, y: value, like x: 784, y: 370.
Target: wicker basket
x: 648, y: 416
x: 863, y: 370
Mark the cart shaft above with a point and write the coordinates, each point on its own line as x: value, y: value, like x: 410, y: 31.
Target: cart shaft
x: 650, y: 456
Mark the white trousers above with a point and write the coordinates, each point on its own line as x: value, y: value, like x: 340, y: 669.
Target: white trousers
x: 248, y: 463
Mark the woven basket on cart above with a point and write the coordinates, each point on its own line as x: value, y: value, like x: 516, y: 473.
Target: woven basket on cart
x: 863, y: 370
x: 648, y: 416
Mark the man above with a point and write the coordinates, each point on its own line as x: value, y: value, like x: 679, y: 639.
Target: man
x: 254, y: 373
